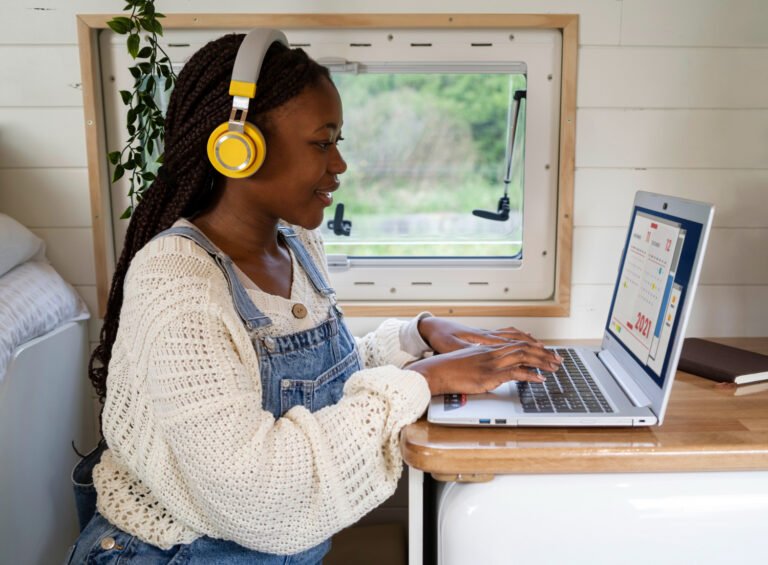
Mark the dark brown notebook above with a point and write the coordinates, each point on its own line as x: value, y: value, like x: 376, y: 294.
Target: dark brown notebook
x: 722, y: 363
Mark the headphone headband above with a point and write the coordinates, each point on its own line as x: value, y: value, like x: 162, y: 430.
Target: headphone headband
x: 249, y: 58
x: 237, y: 148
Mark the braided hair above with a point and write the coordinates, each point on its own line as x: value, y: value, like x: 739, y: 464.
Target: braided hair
x: 199, y: 103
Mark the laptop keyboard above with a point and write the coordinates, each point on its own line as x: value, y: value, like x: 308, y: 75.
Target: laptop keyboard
x: 570, y: 389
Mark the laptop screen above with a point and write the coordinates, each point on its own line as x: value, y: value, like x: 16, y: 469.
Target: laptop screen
x: 654, y: 277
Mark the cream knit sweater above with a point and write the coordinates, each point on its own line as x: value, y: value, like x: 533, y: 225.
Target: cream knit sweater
x: 193, y: 453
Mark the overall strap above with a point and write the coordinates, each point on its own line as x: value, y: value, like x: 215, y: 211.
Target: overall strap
x: 252, y: 317
x: 306, y: 262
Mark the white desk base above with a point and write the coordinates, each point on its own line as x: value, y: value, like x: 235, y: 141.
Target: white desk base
x: 627, y: 518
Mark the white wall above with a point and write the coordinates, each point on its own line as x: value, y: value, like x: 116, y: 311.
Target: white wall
x: 672, y: 97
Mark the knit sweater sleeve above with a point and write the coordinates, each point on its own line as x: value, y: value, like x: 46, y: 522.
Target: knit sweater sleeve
x: 214, y: 458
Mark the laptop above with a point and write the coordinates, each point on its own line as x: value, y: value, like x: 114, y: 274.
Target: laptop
x: 628, y: 379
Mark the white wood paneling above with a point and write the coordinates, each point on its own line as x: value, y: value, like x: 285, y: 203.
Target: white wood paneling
x: 54, y: 20
x: 39, y: 198
x: 709, y: 139
x: 70, y: 251
x: 673, y: 98
x: 733, y: 257
x: 730, y: 310
x: 88, y: 294
x: 721, y: 23
x: 717, y: 311
x: 40, y: 75
x: 42, y: 137
x: 653, y: 77
x: 603, y: 197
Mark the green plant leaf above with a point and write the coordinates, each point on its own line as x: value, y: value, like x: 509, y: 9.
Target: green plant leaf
x: 144, y: 120
x: 133, y: 44
x: 127, y: 213
x: 119, y: 170
x: 120, y: 24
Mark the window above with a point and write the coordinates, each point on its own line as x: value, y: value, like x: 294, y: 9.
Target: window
x: 429, y: 114
x: 428, y: 120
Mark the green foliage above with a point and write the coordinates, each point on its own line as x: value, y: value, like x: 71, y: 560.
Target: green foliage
x: 423, y: 151
x: 144, y: 119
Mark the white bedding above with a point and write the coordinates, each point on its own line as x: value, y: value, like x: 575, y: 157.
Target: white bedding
x: 34, y: 299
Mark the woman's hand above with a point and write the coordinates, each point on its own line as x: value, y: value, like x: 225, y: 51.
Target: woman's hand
x: 481, y: 368
x: 444, y: 335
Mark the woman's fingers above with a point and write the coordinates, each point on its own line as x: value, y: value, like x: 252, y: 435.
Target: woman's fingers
x: 516, y: 335
x: 484, y: 367
x: 527, y: 354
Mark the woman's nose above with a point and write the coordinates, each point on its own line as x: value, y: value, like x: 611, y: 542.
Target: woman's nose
x: 336, y: 164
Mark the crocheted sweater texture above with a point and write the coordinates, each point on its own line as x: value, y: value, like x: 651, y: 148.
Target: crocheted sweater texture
x: 192, y: 451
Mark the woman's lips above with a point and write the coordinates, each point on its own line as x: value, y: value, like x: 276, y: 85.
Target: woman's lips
x: 325, y: 197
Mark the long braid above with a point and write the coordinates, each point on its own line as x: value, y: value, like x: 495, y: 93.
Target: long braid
x: 200, y: 102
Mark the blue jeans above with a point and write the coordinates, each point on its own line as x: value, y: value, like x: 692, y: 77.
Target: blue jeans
x: 82, y: 484
x: 101, y: 543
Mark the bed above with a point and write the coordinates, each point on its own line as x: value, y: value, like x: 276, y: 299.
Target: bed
x: 45, y: 400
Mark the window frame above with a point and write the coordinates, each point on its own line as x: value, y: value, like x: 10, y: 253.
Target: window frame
x: 90, y: 26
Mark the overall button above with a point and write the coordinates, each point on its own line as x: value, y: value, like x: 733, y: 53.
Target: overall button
x: 299, y: 311
x: 109, y: 543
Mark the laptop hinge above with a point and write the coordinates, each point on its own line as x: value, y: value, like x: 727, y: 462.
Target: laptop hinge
x: 628, y: 385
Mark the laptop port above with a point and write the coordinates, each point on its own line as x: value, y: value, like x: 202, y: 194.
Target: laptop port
x: 485, y: 420
x: 500, y: 421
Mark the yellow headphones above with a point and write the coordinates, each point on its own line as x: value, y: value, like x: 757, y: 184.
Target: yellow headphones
x: 237, y: 148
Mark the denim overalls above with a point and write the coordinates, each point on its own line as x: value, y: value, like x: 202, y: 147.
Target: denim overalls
x: 307, y: 368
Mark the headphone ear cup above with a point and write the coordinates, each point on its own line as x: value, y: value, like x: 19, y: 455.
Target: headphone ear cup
x: 237, y: 154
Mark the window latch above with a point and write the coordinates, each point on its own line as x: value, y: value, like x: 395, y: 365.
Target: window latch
x: 339, y: 65
x: 338, y: 262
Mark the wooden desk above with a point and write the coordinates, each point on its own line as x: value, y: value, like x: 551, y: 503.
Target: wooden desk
x: 706, y: 428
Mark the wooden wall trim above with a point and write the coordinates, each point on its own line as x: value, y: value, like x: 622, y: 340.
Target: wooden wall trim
x: 90, y: 24
x: 95, y: 147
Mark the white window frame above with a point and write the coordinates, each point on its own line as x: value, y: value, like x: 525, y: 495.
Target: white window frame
x: 533, y: 277
x: 538, y: 286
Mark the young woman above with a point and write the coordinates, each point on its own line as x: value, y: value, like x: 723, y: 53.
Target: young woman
x: 244, y: 423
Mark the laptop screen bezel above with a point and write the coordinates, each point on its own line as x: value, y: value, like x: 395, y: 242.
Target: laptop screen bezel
x: 690, y: 211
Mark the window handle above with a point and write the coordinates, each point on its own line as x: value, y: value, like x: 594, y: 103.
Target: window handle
x: 502, y: 210
x: 338, y: 224
x: 501, y: 214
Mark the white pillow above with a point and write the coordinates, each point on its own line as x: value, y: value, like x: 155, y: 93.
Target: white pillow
x: 34, y: 300
x: 17, y: 244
